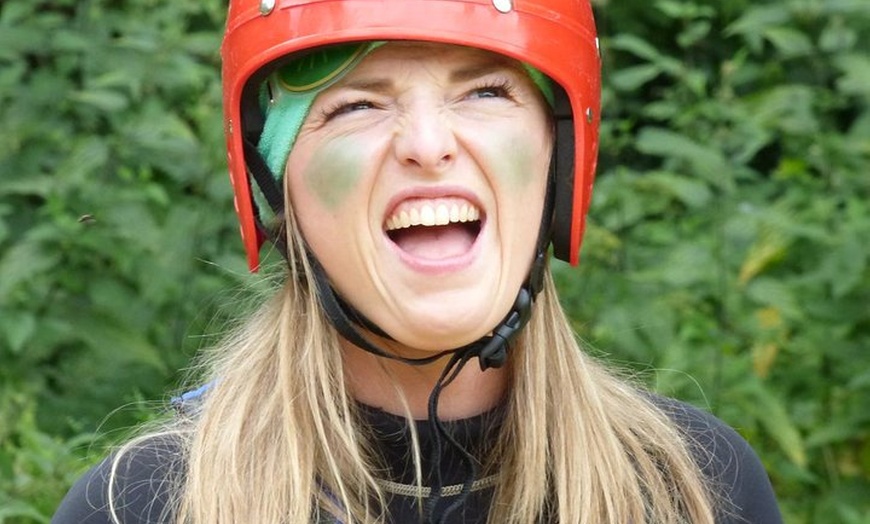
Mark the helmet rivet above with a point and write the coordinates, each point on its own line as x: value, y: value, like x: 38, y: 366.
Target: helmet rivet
x: 266, y: 6
x: 590, y: 115
x: 503, y: 6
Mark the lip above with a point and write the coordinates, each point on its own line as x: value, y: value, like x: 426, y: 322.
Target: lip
x: 440, y: 266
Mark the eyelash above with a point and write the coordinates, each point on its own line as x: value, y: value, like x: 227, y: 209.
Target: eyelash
x: 503, y: 88
x: 343, y: 107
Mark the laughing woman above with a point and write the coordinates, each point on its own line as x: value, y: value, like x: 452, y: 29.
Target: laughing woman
x: 415, y: 161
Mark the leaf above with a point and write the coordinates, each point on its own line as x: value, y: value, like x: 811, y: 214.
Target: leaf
x: 14, y: 510
x: 764, y: 357
x: 684, y: 10
x: 770, y: 247
x: 837, y: 37
x: 770, y: 292
x: 832, y: 432
x: 631, y: 78
x: 691, y: 192
x: 18, y: 328
x: 650, y: 53
x: 706, y: 162
x: 757, y: 19
x: 786, y: 107
x: 860, y: 381
x: 107, y: 338
x: 844, y: 263
x: 18, y: 40
x: 685, y: 264
x: 694, y: 33
x: 22, y: 262
x: 636, y: 46
x: 770, y: 412
x: 790, y: 42
x: 855, y: 79
x: 102, y: 99
x: 858, y: 8
x: 26, y: 184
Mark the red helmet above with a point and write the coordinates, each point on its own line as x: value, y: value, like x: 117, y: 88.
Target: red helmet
x: 556, y: 37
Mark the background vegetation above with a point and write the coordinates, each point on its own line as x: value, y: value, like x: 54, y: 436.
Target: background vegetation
x: 726, y: 259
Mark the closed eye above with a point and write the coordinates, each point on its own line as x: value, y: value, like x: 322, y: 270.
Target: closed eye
x: 344, y: 108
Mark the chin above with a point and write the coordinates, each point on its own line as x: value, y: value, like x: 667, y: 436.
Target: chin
x: 440, y: 333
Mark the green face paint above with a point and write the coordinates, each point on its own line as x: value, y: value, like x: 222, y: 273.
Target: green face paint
x: 334, y: 171
x: 514, y: 158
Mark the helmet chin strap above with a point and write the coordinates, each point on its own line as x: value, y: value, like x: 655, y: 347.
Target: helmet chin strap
x: 491, y: 350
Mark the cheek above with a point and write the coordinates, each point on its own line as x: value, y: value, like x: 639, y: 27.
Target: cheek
x: 517, y: 157
x: 333, y: 171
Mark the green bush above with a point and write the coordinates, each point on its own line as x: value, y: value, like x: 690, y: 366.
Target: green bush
x: 727, y: 255
x: 111, y: 252
x: 726, y: 258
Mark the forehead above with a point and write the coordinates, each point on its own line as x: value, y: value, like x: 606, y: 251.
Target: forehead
x: 448, y: 56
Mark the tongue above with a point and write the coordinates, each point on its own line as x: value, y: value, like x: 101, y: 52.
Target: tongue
x: 435, y: 242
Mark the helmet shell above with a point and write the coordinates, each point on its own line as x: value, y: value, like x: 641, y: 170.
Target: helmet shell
x: 557, y: 37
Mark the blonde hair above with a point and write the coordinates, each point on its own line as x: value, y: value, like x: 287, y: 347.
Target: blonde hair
x: 277, y: 437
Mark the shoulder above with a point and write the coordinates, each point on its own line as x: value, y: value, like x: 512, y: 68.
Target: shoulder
x: 144, y: 473
x: 729, y: 462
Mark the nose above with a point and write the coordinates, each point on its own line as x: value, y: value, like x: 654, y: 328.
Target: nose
x: 425, y: 139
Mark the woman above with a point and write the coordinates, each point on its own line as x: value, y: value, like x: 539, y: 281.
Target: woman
x: 427, y: 153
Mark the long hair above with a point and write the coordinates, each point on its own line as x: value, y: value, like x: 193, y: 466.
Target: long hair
x: 278, y: 438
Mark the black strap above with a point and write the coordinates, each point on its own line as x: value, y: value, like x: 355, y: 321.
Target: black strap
x: 338, y: 316
x: 355, y: 316
x: 272, y: 192
x: 437, y: 429
x: 264, y: 178
x: 491, y: 350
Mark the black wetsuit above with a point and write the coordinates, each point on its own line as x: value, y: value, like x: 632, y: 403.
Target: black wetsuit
x: 730, y: 462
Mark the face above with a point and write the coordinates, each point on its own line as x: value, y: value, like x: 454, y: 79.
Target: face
x: 418, y: 181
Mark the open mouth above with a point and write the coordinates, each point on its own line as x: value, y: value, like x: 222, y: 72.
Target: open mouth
x: 435, y: 229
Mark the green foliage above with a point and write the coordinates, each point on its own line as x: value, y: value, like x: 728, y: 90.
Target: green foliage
x: 728, y: 246
x: 111, y: 252
x: 35, y: 467
x: 726, y: 257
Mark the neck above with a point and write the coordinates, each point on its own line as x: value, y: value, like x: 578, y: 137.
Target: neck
x: 383, y: 383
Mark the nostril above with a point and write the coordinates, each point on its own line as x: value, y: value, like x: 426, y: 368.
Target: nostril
x: 411, y: 161
x: 416, y: 162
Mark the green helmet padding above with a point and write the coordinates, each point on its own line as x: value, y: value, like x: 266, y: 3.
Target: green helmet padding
x: 291, y: 91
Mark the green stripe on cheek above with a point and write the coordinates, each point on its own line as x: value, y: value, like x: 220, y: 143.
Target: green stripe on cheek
x: 334, y: 171
x: 515, y: 158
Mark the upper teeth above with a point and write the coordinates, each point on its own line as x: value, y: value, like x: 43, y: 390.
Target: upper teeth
x: 433, y: 215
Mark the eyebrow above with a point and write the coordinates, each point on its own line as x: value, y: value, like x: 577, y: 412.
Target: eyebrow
x: 369, y: 84
x: 463, y: 74
x: 482, y: 68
